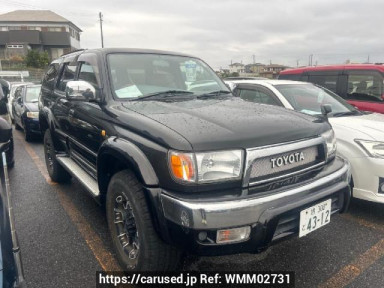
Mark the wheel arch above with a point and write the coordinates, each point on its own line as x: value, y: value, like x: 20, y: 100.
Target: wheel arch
x: 118, y: 154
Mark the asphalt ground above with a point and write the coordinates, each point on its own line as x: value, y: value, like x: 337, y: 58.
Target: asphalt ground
x: 64, y: 237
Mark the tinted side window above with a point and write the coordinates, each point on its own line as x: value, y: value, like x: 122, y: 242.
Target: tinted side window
x: 327, y: 81
x: 365, y: 87
x: 87, y: 73
x: 68, y: 74
x: 294, y: 77
x: 50, y: 75
x: 256, y: 96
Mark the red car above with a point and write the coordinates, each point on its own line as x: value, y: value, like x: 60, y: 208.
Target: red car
x: 360, y: 84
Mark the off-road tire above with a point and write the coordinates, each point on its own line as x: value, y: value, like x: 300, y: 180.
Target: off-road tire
x: 55, y: 170
x: 154, y: 254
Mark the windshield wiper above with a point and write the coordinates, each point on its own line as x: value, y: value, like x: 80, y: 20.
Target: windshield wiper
x: 213, y: 94
x: 347, y: 113
x: 163, y: 94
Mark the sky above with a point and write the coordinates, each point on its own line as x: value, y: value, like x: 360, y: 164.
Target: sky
x: 283, y: 32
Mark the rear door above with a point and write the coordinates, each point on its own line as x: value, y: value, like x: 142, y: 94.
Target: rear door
x: 364, y: 89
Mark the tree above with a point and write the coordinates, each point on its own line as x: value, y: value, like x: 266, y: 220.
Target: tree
x: 37, y: 59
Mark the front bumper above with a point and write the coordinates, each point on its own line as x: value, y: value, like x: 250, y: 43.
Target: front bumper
x: 32, y: 125
x: 368, y: 177
x: 272, y: 216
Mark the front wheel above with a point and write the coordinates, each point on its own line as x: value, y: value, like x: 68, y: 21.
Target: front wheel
x: 134, y: 238
x: 55, y: 170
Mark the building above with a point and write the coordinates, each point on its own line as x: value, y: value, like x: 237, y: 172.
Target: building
x: 43, y: 30
x: 255, y: 68
x: 236, y: 68
x: 272, y: 71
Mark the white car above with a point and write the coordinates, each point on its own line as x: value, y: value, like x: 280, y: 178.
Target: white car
x: 360, y: 135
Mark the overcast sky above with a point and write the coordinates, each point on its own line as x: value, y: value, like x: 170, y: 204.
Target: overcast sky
x: 221, y: 31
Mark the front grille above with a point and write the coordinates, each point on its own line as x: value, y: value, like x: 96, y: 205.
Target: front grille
x: 268, y: 164
x: 276, y: 164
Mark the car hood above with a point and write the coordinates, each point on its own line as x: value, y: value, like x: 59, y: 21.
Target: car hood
x: 229, y: 123
x: 370, y: 126
x: 31, y: 107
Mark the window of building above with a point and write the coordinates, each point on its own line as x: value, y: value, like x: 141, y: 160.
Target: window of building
x: 14, y: 28
x: 54, y: 29
x: 34, y: 28
x: 4, y: 28
x: 15, y: 46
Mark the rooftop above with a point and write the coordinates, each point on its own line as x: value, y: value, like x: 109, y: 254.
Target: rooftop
x: 34, y: 16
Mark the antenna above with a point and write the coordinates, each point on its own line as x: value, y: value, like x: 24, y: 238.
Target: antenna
x: 101, y: 29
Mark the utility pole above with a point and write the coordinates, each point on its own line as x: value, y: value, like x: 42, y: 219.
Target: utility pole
x: 368, y: 58
x: 310, y: 60
x: 297, y: 63
x: 253, y: 59
x: 101, y: 29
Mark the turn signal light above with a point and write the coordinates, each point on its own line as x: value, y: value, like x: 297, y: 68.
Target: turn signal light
x: 182, y: 166
x: 233, y: 235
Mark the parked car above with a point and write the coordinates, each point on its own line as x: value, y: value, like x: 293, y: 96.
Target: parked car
x: 11, y: 272
x: 180, y: 168
x: 362, y: 85
x: 360, y: 135
x: 11, y: 96
x: 26, y: 111
x: 4, y: 115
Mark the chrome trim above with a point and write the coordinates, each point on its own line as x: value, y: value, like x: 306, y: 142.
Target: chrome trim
x: 227, y: 214
x: 288, y: 175
x: 264, y: 151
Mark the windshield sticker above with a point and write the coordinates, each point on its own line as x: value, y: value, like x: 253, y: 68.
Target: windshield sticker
x: 190, y: 71
x: 129, y: 92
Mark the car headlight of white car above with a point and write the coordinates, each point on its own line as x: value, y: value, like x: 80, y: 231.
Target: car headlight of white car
x: 206, y: 167
x: 373, y: 148
x: 330, y: 141
x: 33, y: 115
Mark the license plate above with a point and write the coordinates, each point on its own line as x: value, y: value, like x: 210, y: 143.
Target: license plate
x: 315, y: 217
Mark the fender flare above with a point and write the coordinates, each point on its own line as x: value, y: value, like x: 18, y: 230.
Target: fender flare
x: 131, y: 155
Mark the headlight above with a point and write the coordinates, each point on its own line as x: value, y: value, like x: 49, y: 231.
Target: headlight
x: 33, y: 114
x: 373, y: 148
x: 330, y: 140
x: 206, y: 167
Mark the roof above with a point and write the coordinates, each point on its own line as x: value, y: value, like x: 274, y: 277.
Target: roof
x: 126, y: 50
x: 37, y: 16
x: 335, y: 67
x: 272, y: 82
x: 236, y: 64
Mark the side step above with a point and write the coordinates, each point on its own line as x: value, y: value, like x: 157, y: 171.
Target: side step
x: 76, y: 171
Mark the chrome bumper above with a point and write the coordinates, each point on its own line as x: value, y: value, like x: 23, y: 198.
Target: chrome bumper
x: 226, y: 214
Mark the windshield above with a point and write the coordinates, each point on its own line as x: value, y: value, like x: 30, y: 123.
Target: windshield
x: 32, y: 94
x: 137, y: 75
x: 308, y: 98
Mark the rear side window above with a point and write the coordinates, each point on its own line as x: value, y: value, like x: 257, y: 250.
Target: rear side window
x: 327, y: 81
x: 365, y: 87
x: 253, y: 95
x: 294, y: 77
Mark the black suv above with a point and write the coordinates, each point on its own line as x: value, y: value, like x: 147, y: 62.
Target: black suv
x: 180, y: 163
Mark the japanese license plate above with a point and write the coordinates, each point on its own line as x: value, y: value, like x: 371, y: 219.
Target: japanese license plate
x: 315, y: 217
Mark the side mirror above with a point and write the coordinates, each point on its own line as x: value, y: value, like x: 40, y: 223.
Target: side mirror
x: 80, y: 90
x: 326, y: 109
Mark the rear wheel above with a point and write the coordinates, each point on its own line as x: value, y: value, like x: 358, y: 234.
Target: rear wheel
x: 135, y: 240
x: 55, y: 170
